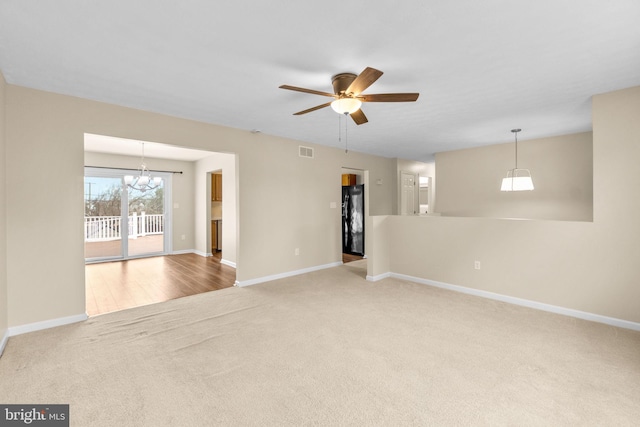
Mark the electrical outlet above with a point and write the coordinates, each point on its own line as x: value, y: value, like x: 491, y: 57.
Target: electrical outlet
x: 476, y: 265
x: 297, y: 251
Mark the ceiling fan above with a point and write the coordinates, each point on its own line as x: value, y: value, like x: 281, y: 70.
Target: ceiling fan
x: 348, y: 97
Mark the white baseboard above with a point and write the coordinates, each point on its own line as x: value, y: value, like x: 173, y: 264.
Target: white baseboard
x: 203, y: 254
x: 3, y: 342
x: 518, y: 301
x: 287, y: 274
x: 197, y: 252
x: 378, y: 277
x: 46, y: 324
x: 184, y: 251
x: 229, y: 263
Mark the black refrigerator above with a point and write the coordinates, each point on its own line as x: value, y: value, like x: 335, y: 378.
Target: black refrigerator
x: 353, y: 220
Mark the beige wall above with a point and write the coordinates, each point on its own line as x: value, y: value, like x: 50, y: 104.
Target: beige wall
x: 562, y: 169
x: 586, y: 266
x: 378, y: 258
x: 283, y: 200
x: 3, y: 219
x: 182, y: 190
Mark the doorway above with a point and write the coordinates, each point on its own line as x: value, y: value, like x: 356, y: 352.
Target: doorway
x: 353, y: 215
x: 182, y: 263
x: 353, y: 220
x: 215, y: 212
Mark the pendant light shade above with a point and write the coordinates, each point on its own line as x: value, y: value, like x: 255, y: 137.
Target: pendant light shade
x: 517, y: 179
x: 513, y: 182
x: 346, y: 105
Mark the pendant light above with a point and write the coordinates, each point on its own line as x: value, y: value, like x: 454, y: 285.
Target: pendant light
x: 517, y: 179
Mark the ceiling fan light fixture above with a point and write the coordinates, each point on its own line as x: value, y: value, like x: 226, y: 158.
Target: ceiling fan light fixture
x: 346, y: 105
x: 347, y: 98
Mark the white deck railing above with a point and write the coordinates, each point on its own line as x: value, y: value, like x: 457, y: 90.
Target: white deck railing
x: 103, y: 228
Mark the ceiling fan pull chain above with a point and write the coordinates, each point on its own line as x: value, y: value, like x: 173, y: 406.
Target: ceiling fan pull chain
x: 346, y: 135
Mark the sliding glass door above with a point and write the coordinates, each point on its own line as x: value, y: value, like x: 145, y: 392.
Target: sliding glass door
x: 146, y: 221
x: 102, y: 217
x: 122, y: 222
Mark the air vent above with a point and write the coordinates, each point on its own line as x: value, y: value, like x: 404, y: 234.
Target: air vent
x: 305, y: 152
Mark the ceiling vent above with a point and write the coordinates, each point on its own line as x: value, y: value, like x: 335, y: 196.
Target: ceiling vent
x: 305, y: 152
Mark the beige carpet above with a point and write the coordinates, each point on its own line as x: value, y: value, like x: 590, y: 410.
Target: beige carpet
x: 329, y: 348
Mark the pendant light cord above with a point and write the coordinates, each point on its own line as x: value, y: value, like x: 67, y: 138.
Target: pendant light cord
x: 515, y: 131
x: 516, y: 150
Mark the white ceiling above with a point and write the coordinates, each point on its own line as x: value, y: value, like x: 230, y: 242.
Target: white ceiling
x: 130, y: 147
x: 481, y: 67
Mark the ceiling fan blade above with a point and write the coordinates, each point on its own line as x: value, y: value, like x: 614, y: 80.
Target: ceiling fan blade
x: 359, y: 117
x: 317, y: 107
x: 301, y: 89
x: 364, y: 80
x: 389, y: 97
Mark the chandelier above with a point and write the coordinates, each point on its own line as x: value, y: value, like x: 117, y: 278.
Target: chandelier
x: 143, y: 181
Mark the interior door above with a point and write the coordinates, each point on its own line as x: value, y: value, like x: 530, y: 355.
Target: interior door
x: 407, y: 194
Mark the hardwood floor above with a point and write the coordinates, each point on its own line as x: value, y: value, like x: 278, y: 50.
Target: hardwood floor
x: 113, y: 286
x: 348, y: 258
x: 117, y: 285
